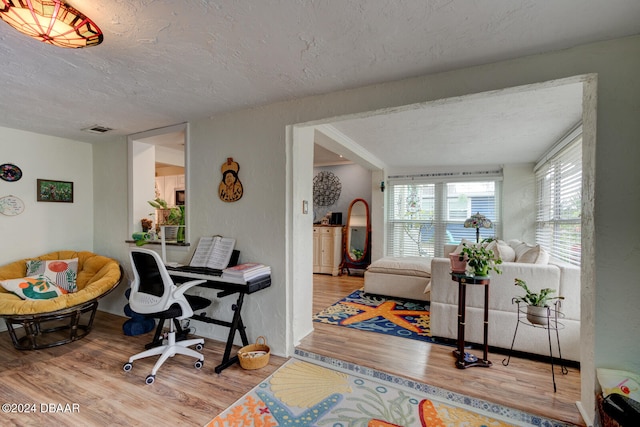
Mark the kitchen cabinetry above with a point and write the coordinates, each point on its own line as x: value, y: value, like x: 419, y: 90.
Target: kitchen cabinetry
x: 327, y: 249
x: 167, y: 186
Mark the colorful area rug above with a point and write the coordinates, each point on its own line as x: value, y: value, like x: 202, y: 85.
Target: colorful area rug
x: 375, y: 313
x: 305, y: 394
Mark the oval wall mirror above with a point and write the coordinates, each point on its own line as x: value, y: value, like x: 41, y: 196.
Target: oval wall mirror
x: 358, y: 231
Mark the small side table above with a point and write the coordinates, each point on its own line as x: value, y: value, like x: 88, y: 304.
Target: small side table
x: 463, y: 359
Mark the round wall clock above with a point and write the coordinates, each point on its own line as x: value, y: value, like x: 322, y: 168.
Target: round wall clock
x: 326, y: 189
x: 10, y: 172
x: 11, y: 205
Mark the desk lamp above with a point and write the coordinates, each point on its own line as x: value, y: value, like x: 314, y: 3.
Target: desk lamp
x: 478, y: 221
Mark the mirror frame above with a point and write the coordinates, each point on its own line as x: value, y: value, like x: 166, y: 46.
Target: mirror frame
x: 365, y: 252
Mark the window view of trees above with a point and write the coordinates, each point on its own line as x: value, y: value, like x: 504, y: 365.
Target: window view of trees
x: 422, y: 217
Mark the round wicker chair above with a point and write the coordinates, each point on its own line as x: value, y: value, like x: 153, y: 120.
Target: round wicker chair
x: 37, y: 324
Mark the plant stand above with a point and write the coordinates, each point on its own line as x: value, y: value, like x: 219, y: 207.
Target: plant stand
x: 463, y: 359
x: 549, y: 322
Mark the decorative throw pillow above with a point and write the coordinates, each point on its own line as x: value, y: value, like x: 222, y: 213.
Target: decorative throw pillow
x: 33, y: 288
x: 62, y: 272
x: 461, y: 245
x: 502, y: 250
x: 531, y: 254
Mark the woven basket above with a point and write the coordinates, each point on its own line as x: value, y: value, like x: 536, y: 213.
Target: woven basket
x: 249, y: 360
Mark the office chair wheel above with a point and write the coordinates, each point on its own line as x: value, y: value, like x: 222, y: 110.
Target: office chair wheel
x: 198, y: 364
x: 150, y: 379
x: 199, y: 347
x: 127, y: 367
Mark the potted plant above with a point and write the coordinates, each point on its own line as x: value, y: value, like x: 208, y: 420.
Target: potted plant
x: 458, y: 263
x: 537, y: 303
x: 171, y: 217
x: 480, y: 260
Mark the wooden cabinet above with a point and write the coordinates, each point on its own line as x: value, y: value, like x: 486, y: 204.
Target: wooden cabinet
x: 327, y: 249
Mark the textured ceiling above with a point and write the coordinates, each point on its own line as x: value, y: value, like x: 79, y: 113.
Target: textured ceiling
x: 164, y: 62
x: 502, y: 127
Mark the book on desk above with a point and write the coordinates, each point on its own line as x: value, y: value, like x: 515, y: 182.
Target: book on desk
x: 247, y: 271
x: 217, y: 256
x: 212, y: 255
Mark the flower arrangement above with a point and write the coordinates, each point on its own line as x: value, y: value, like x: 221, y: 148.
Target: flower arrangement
x: 480, y: 260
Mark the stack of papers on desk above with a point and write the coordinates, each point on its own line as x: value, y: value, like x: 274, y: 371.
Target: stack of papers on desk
x: 247, y: 271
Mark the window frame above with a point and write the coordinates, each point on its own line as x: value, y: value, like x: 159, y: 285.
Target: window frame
x: 401, y: 233
x: 558, y: 178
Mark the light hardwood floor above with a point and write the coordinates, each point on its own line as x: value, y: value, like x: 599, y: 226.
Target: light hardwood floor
x: 524, y: 384
x: 88, y: 373
x: 86, y: 377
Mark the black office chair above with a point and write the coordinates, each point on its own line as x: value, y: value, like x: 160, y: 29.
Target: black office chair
x: 154, y: 295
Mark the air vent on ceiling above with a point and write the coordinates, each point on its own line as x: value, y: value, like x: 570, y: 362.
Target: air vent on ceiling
x: 97, y: 129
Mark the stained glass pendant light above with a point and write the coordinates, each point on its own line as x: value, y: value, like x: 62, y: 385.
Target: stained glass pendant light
x: 51, y: 21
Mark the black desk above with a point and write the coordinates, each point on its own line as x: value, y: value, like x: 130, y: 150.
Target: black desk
x: 226, y: 287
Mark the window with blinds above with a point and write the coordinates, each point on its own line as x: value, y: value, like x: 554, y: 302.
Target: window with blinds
x: 423, y: 215
x: 559, y: 202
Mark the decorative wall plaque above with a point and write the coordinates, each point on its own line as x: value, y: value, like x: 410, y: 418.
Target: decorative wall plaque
x: 10, y: 172
x: 11, y: 205
x: 230, y: 189
x: 326, y: 189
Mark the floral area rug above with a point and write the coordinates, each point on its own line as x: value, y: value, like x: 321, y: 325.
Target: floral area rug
x: 305, y: 394
x: 375, y: 313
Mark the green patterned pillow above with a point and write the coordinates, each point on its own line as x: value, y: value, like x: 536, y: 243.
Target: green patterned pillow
x: 34, y: 288
x: 62, y: 272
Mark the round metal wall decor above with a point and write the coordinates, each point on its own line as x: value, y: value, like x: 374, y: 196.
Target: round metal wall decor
x: 326, y: 189
x: 10, y: 172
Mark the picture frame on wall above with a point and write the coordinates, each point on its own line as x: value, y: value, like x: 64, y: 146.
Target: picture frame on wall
x: 55, y: 191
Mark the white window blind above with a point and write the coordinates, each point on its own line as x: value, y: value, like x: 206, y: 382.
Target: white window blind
x: 424, y: 214
x: 559, y: 203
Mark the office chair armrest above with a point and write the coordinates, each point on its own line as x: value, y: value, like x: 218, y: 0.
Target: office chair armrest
x: 180, y: 290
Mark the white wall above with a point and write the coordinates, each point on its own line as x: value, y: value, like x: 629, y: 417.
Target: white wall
x: 356, y: 184
x: 45, y: 227
x: 261, y: 220
x: 518, y: 203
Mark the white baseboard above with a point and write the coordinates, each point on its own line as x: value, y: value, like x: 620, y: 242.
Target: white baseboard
x: 587, y: 419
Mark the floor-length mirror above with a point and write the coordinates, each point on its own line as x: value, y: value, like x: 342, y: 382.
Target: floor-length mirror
x: 357, y: 252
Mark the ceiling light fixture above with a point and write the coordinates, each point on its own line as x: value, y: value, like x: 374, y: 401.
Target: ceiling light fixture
x: 51, y: 21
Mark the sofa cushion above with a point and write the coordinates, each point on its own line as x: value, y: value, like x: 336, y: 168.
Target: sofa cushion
x: 62, y: 272
x: 502, y: 250
x: 463, y: 243
x: 96, y: 275
x: 529, y: 254
x: 38, y: 287
x: 404, y: 266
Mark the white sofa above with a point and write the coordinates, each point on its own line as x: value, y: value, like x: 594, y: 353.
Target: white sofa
x: 503, y: 317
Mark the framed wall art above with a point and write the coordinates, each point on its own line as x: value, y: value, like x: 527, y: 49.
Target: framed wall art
x: 55, y: 191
